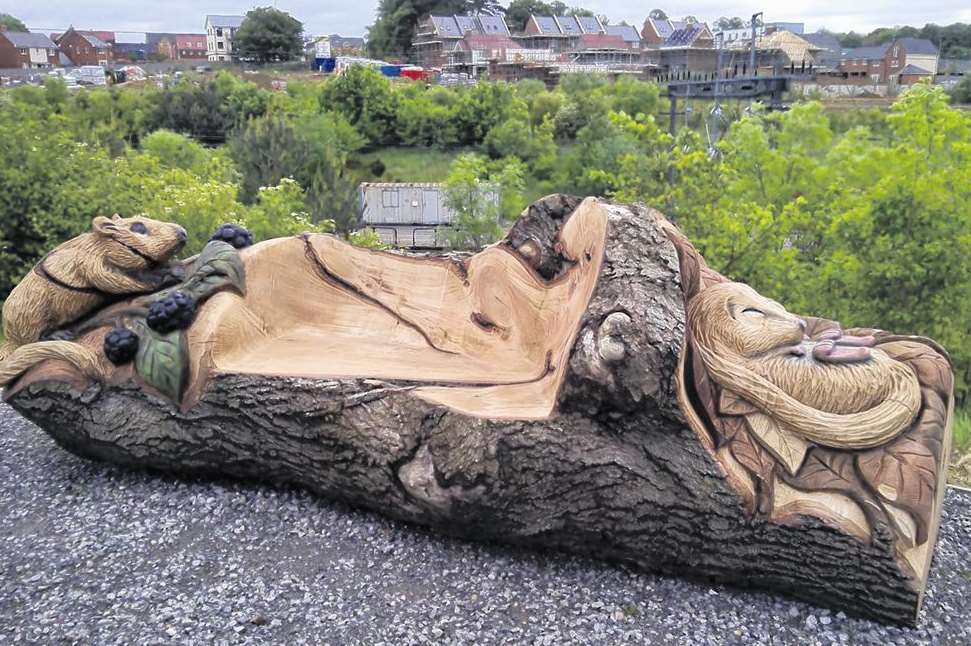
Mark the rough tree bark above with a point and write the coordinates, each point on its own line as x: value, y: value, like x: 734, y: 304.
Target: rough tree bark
x: 615, y: 472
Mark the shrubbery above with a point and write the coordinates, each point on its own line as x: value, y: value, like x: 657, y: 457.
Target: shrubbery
x: 864, y: 216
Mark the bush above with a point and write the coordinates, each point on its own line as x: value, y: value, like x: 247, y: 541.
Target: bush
x: 365, y: 97
x: 961, y: 92
x: 173, y: 150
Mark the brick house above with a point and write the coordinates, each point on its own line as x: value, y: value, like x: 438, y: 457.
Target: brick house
x: 904, y: 61
x: 629, y: 35
x: 657, y: 33
x: 862, y: 65
x: 107, y: 36
x: 25, y: 50
x: 912, y: 74
x: 191, y: 46
x: 678, y: 46
x: 85, y: 48
x: 438, y: 36
x: 563, y: 33
x: 919, y: 54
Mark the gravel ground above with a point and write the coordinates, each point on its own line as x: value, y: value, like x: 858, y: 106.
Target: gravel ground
x: 93, y: 554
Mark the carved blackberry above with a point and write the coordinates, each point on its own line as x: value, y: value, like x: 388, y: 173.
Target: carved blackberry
x: 234, y: 234
x: 174, y: 312
x: 120, y: 345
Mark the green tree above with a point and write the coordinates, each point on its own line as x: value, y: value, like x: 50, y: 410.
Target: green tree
x: 366, y: 98
x: 481, y: 108
x: 207, y: 110
x: 479, y: 198
x: 425, y: 117
x: 280, y: 211
x: 851, y: 39
x: 11, y: 23
x: 519, y: 11
x: 312, y: 150
x: 725, y: 23
x: 635, y: 97
x: 394, y: 28
x: 173, y: 150
x: 961, y: 92
x: 269, y: 35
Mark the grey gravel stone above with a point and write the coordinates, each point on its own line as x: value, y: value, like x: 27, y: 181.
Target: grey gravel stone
x: 95, y: 554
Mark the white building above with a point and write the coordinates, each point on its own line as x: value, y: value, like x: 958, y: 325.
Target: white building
x: 220, y: 36
x: 412, y: 215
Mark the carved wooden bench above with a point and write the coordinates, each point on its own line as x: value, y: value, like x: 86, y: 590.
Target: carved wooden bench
x: 587, y: 384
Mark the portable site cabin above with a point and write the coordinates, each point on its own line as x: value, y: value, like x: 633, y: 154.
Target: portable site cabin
x: 406, y: 215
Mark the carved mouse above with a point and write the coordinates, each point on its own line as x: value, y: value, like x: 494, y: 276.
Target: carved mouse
x: 119, y: 256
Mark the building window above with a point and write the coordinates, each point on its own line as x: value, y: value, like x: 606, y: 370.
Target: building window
x: 389, y: 198
x: 219, y: 45
x: 219, y: 32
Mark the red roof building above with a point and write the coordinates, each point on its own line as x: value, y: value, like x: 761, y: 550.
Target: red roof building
x: 190, y: 46
x: 106, y: 36
x: 85, y: 48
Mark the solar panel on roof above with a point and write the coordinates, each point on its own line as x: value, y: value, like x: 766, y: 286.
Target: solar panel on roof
x: 493, y: 25
x: 683, y: 37
x: 446, y: 25
x: 568, y: 24
x: 466, y: 23
x: 590, y: 23
x: 664, y: 27
x: 547, y: 25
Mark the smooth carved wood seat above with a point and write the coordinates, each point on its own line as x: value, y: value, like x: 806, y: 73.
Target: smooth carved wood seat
x: 488, y: 336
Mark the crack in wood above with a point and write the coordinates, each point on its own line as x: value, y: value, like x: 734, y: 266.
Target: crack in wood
x: 337, y: 282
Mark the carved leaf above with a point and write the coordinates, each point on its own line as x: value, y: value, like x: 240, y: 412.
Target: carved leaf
x: 932, y: 369
x: 704, y: 387
x: 752, y: 456
x: 829, y: 471
x: 931, y: 426
x: 786, y: 446
x: 162, y: 360
x: 904, y: 473
x: 904, y: 523
x: 731, y: 404
x: 731, y: 426
x: 706, y: 392
x: 217, y: 267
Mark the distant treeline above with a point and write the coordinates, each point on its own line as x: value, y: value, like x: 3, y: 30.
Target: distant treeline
x: 953, y: 40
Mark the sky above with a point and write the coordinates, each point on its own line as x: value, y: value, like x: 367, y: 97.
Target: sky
x: 352, y: 18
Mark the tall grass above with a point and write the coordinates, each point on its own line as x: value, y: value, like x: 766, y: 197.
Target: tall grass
x: 412, y: 164
x: 962, y: 431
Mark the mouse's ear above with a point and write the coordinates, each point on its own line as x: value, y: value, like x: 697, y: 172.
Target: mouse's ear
x: 103, y: 225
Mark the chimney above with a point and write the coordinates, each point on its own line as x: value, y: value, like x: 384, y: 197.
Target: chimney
x: 3, y: 27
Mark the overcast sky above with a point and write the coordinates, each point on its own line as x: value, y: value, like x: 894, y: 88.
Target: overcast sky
x: 352, y: 18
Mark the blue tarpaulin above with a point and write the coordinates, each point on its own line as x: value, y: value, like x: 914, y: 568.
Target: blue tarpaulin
x: 325, y: 64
